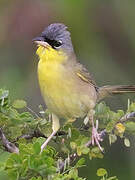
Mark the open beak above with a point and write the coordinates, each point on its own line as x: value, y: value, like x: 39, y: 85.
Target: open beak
x: 40, y: 42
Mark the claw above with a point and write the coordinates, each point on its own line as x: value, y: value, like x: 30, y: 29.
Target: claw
x: 96, y: 137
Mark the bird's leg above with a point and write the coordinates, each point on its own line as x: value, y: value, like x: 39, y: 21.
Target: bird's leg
x: 96, y: 137
x: 55, y: 127
x: 48, y: 140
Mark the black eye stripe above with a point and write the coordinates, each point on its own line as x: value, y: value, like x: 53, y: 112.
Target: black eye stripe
x: 53, y: 43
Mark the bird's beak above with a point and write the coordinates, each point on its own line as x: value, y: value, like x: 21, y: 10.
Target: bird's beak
x: 39, y: 41
x: 42, y: 43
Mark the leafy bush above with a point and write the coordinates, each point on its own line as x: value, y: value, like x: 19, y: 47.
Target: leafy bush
x: 23, y: 131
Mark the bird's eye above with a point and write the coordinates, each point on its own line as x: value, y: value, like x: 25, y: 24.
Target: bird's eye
x: 57, y: 44
x: 54, y: 43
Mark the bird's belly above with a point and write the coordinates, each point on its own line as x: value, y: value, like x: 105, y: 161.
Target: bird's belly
x: 61, y: 95
x: 65, y: 104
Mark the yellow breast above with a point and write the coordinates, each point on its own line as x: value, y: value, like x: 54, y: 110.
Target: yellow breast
x: 58, y: 85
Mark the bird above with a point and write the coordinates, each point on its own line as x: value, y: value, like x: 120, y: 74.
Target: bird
x: 67, y: 87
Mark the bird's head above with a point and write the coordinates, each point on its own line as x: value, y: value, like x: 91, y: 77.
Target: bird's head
x: 54, y: 40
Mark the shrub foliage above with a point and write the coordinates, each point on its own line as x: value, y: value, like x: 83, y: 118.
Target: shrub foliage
x: 23, y: 131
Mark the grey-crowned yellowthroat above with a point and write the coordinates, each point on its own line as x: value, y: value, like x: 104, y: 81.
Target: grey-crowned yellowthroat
x: 67, y: 87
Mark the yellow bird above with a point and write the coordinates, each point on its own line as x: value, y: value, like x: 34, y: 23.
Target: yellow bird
x: 66, y: 86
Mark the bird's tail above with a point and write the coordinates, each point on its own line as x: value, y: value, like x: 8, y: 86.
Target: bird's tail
x: 112, y: 90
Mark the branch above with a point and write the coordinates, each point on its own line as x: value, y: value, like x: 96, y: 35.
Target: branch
x: 37, y: 133
x: 127, y: 117
x: 10, y: 147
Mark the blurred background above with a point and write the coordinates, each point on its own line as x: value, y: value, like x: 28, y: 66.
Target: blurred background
x: 103, y: 34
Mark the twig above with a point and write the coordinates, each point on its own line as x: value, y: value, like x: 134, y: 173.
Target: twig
x: 127, y: 117
x: 10, y: 147
x: 29, y: 109
x: 36, y: 134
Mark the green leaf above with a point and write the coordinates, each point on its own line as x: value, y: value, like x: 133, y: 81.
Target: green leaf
x: 85, y: 150
x: 127, y: 142
x: 130, y: 127
x: 95, y: 153
x: 19, y: 104
x: 33, y: 162
x: 25, y: 148
x: 3, y: 158
x: 75, y: 134
x: 4, y: 175
x: 13, y: 174
x: 96, y: 150
x: 80, y: 162
x: 110, y: 126
x: 37, y: 148
x: 15, y: 158
x: 79, y: 152
x: 73, y: 173
x: 120, y: 113
x: 73, y: 145
x: 112, y: 138
x: 131, y: 108
x: 101, y: 172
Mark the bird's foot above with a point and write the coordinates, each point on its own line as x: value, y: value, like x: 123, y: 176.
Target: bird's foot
x: 96, y: 137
